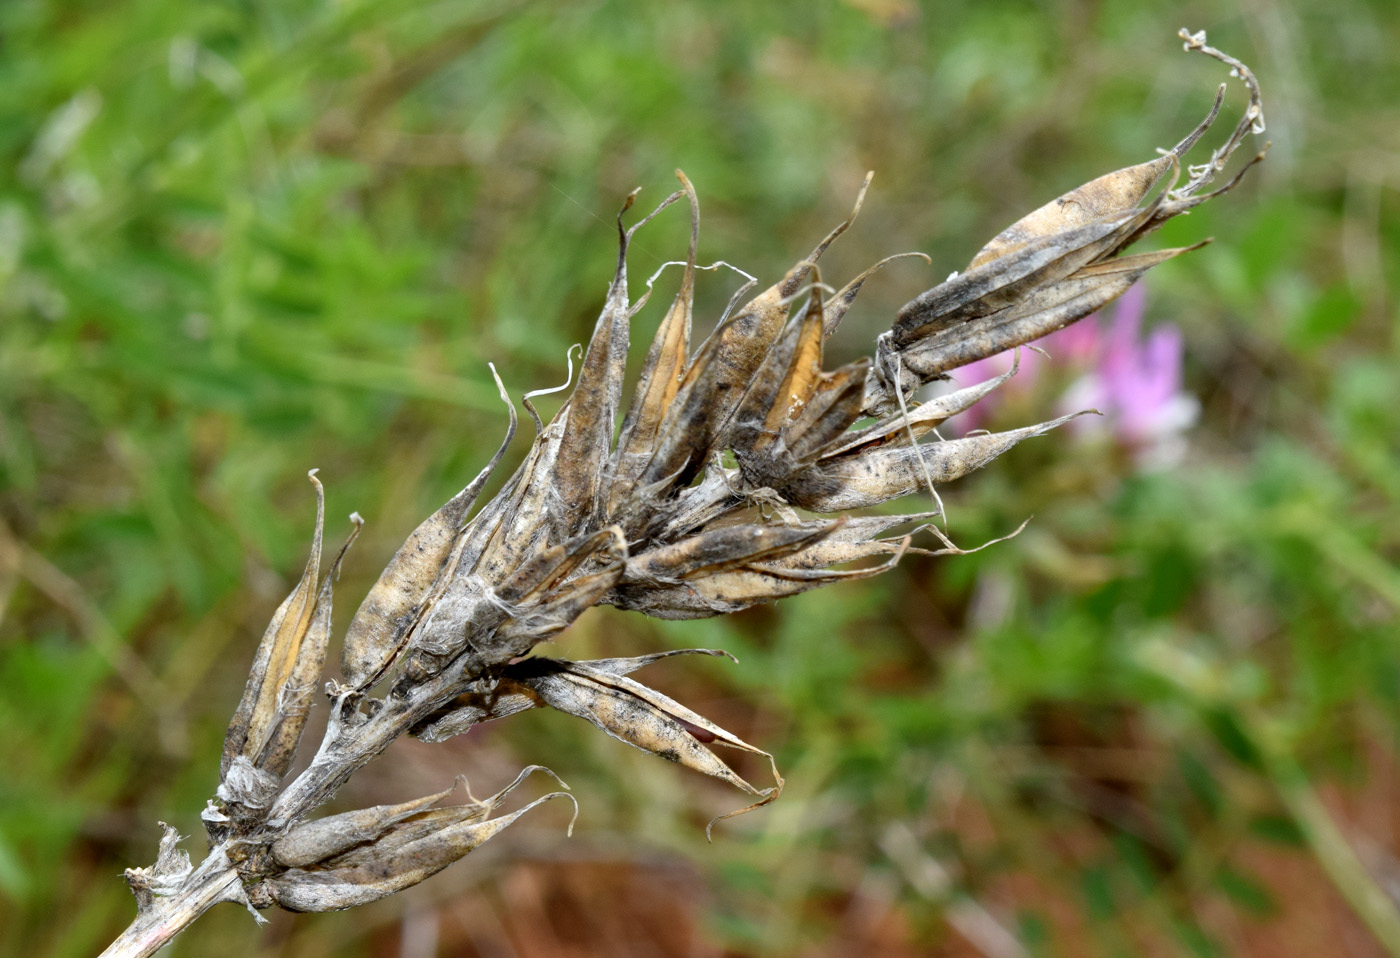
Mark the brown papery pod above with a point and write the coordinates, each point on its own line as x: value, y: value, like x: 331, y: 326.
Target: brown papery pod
x: 378, y: 631
x: 529, y: 513
x: 313, y: 842
x: 784, y: 381
x: 730, y: 591
x: 294, y: 705
x: 757, y: 582
x: 715, y: 550
x: 650, y: 721
x: 425, y: 822
x: 546, y: 570
x: 835, y: 405
x: 276, y: 658
x: 1177, y: 203
x: 715, y: 381
x: 884, y: 473
x: 1007, y: 280
x: 720, y: 373
x: 921, y: 418
x: 1040, y: 313
x: 1107, y: 195
x: 556, y: 610
x: 509, y: 697
x: 333, y: 889
x: 585, y: 452
x: 661, y: 374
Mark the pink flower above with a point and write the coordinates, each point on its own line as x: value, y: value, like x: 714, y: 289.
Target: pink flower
x: 1136, y: 385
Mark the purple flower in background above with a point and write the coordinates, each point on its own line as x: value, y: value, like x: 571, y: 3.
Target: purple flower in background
x: 1136, y: 385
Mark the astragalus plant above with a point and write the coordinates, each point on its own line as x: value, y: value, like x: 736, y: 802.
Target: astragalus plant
x: 735, y: 477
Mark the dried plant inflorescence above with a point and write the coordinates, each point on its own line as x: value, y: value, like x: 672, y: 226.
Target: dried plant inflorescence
x: 706, y: 502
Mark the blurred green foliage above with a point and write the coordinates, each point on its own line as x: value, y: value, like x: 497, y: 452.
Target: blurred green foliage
x: 240, y: 239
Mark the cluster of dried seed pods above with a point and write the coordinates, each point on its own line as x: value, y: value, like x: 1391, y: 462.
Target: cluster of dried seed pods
x: 729, y: 483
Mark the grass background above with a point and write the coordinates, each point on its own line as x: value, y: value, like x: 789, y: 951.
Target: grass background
x: 242, y: 239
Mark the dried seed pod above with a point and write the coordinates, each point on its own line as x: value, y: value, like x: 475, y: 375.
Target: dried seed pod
x: 714, y: 383
x: 378, y: 632
x: 1107, y: 195
x: 581, y: 472
x: 546, y: 570
x: 1029, y: 258
x: 555, y: 611
x: 784, y: 382
x: 921, y: 419
x: 509, y: 697
x: 757, y: 582
x: 312, y: 842
x: 276, y: 659
x: 469, y: 709
x: 332, y: 889
x: 868, y: 478
x: 294, y: 704
x: 662, y: 372
x: 1040, y: 313
x: 722, y: 548
x: 1177, y: 203
x: 648, y: 720
x: 768, y: 579
x: 1007, y: 280
x: 835, y: 405
x: 426, y: 822
x: 720, y: 373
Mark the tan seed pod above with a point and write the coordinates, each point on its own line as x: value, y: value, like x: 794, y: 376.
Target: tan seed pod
x: 783, y: 382
x: 884, y: 473
x: 1041, y: 313
x: 662, y: 372
x: 546, y: 570
x: 425, y: 822
x: 556, y: 610
x: 276, y: 657
x: 840, y: 304
x: 378, y: 632
x: 1008, y: 279
x: 294, y: 705
x: 581, y: 472
x: 522, y: 524
x: 720, y: 373
x: 1107, y: 195
x: 758, y: 582
x: 312, y: 842
x: 921, y: 419
x: 650, y: 721
x: 510, y: 698
x: 835, y: 405
x: 718, y: 549
x: 333, y: 889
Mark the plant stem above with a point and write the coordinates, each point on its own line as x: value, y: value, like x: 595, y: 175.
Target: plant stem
x: 215, y: 880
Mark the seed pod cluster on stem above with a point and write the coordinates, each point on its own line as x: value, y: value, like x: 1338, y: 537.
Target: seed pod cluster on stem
x: 732, y: 480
